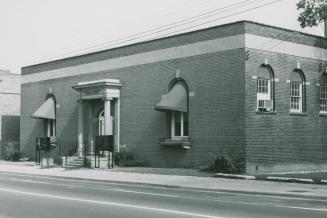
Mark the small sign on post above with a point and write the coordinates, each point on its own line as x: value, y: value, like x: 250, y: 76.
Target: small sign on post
x: 104, y: 143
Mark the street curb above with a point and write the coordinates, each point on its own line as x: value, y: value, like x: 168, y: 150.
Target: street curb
x: 254, y: 193
x: 234, y: 176
x: 286, y: 179
x: 271, y: 178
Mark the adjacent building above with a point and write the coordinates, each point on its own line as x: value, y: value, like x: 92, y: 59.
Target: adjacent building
x: 253, y: 93
x: 9, y: 114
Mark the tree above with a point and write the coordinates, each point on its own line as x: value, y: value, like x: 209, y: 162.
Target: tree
x: 312, y: 12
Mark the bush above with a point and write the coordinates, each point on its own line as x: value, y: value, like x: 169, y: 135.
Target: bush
x: 11, y: 152
x: 125, y: 158
x: 223, y: 162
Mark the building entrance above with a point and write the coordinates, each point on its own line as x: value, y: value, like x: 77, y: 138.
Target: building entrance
x: 98, y: 113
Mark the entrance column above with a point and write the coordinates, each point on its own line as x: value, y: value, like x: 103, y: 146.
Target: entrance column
x: 80, y: 142
x: 91, y: 126
x: 107, y: 116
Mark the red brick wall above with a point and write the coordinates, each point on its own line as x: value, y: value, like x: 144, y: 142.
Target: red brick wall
x: 222, y: 112
x: 282, y: 142
x: 216, y: 111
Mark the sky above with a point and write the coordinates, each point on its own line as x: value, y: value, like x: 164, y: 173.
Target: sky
x: 37, y: 31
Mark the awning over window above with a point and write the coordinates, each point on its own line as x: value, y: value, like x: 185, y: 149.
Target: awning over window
x: 46, y: 110
x: 175, y: 100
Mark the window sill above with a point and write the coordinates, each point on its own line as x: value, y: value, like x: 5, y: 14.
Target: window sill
x: 322, y: 114
x: 184, y: 143
x: 294, y: 113
x: 266, y: 112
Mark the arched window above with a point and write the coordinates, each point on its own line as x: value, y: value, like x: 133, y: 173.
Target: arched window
x: 297, y: 91
x: 179, y: 118
x: 175, y: 102
x: 265, y: 89
x: 47, y: 112
x: 101, y: 122
x: 323, y: 93
x: 179, y: 124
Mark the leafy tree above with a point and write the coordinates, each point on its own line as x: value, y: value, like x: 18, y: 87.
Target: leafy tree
x: 312, y: 12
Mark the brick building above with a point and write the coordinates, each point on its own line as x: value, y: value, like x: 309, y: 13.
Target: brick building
x: 255, y: 92
x: 9, y: 113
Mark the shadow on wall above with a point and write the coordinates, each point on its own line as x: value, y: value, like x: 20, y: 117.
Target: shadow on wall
x: 9, y: 143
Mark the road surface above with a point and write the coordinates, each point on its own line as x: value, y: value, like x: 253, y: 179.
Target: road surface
x: 33, y: 196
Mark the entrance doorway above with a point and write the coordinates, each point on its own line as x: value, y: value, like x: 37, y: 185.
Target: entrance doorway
x: 100, y: 120
x: 98, y: 112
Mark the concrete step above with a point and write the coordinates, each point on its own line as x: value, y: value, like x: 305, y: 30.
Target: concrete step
x: 76, y: 163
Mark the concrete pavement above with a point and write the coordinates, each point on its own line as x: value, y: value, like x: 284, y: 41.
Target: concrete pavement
x: 23, y: 195
x: 197, y: 182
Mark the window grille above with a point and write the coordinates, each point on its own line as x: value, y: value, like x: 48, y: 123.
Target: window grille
x: 296, y: 96
x: 323, y: 98
x: 264, y: 99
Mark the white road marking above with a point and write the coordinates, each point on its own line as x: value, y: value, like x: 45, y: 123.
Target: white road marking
x: 138, y: 192
x: 109, y: 203
x: 190, y: 189
x: 211, y: 199
x: 39, y: 182
x: 30, y: 181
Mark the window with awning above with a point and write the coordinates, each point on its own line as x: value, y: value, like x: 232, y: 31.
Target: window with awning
x: 175, y: 99
x: 47, y: 112
x: 175, y: 103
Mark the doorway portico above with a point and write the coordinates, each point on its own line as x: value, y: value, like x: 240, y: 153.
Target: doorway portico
x: 98, y: 112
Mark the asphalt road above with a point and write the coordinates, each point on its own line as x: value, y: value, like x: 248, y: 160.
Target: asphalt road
x: 39, y: 196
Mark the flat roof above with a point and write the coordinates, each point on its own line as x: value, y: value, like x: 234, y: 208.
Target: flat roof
x: 239, y: 27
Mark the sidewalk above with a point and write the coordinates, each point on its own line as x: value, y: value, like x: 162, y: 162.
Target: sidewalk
x: 184, y: 180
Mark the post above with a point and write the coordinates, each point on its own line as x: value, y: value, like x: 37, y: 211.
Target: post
x: 80, y: 142
x: 60, y: 161
x: 107, y: 117
x: 91, y: 133
x: 118, y: 124
x: 325, y: 27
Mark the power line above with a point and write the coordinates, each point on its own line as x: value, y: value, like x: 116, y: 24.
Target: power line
x: 271, y: 44
x: 207, y: 22
x: 167, y: 27
x: 279, y: 35
x: 189, y: 20
x: 146, y: 19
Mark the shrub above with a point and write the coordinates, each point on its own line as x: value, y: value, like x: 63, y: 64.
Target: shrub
x: 223, y: 161
x: 125, y: 157
x: 11, y: 152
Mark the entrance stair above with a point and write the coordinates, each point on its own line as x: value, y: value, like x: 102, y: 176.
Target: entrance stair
x: 77, y: 162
